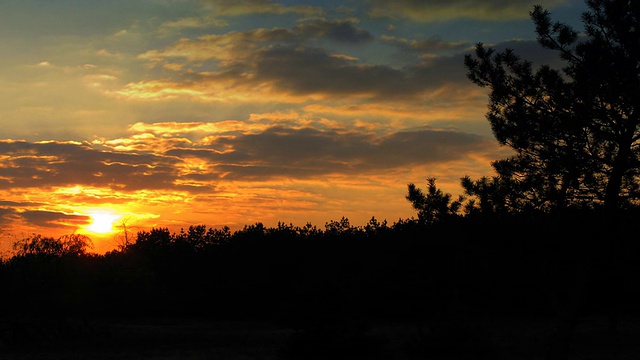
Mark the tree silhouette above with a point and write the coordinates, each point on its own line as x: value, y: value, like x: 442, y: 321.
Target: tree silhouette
x: 575, y: 131
x: 126, y: 236
x: 156, y: 239
x: 434, y: 206
x: 38, y: 245
x: 492, y: 196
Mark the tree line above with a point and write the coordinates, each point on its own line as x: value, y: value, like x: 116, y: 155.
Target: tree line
x: 330, y: 279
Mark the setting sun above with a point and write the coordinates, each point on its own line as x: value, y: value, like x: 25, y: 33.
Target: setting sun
x: 102, y: 222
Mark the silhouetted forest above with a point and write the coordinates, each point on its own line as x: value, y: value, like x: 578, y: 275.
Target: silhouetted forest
x: 331, y: 282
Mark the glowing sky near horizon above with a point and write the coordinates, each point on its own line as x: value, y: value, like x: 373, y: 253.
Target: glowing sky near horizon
x: 171, y: 113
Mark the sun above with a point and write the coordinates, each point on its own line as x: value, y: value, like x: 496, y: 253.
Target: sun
x: 102, y: 222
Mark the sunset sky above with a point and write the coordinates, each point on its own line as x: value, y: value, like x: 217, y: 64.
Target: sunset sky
x: 171, y: 113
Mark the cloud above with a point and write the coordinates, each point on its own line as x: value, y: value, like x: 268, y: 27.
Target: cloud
x: 7, y: 216
x: 337, y: 30
x: 193, y: 23
x: 284, y: 65
x: 18, y: 203
x: 246, y: 7
x: 287, y: 65
x: 423, y: 46
x: 47, y: 165
x: 444, y: 10
x: 416, y: 10
x: 170, y: 162
x: 283, y: 152
x: 305, y: 70
x: 290, y: 73
x: 179, y: 128
x: 53, y: 219
x: 236, y: 45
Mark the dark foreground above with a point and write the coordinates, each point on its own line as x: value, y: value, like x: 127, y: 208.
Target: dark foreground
x: 179, y: 338
x: 520, y: 287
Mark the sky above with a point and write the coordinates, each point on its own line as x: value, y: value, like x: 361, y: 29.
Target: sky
x: 173, y: 113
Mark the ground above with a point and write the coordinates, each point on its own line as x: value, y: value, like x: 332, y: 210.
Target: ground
x: 191, y: 339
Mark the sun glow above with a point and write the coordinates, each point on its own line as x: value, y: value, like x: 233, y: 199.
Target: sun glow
x: 102, y: 222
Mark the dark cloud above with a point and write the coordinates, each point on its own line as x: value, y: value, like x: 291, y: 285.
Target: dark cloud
x: 53, y: 219
x: 305, y: 70
x: 17, y: 203
x: 51, y: 164
x: 286, y: 60
x: 7, y: 216
x: 429, y: 45
x: 278, y: 151
x: 337, y: 30
x: 306, y: 153
x: 9, y: 211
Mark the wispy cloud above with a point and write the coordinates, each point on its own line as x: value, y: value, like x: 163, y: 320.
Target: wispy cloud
x: 423, y: 46
x: 444, y: 10
x: 234, y: 46
x: 244, y: 7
